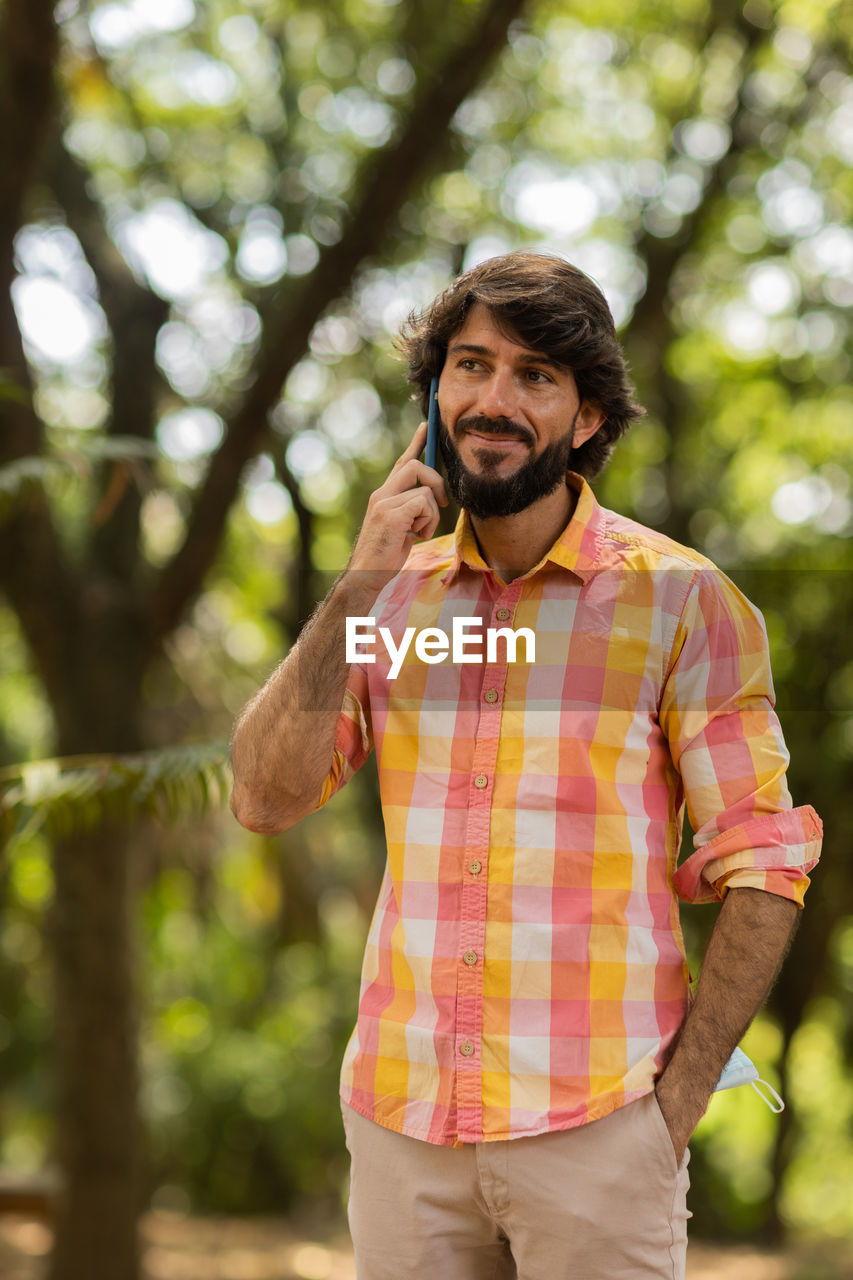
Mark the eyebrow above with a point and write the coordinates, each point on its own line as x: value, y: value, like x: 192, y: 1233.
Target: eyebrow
x: 527, y: 357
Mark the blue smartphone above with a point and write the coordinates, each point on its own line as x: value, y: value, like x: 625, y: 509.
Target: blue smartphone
x: 431, y: 457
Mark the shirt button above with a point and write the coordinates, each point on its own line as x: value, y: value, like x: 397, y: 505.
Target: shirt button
x: 491, y: 695
x: 481, y: 781
x: 475, y: 866
x: 470, y: 958
x: 502, y: 615
x: 466, y: 1048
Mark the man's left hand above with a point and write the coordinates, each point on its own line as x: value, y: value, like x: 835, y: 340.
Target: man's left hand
x: 680, y: 1115
x: 750, y: 938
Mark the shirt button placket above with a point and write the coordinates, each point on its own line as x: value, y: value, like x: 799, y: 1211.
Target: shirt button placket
x: 473, y: 918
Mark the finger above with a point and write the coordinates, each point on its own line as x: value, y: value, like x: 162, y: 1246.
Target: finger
x: 408, y: 506
x: 425, y: 525
x: 413, y: 472
x: 415, y: 512
x: 392, y: 524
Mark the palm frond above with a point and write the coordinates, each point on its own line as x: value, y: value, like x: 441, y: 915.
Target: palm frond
x: 18, y: 479
x: 64, y: 795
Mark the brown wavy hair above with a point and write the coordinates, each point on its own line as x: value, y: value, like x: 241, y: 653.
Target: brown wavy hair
x: 550, y: 306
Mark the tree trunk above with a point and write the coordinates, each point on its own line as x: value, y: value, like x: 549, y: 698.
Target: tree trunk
x: 98, y: 1132
x: 98, y: 1136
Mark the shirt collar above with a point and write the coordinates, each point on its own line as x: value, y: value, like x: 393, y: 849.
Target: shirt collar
x: 577, y: 549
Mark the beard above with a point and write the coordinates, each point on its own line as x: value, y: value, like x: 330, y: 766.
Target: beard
x: 485, y: 495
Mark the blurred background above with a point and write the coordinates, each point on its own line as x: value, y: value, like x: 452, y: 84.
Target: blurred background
x: 213, y: 218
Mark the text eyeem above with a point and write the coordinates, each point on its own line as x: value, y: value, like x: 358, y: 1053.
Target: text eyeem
x: 434, y: 645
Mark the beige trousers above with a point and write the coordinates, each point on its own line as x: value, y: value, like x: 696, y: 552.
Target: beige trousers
x: 605, y: 1201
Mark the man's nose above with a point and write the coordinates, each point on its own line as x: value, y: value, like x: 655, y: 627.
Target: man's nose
x: 498, y: 396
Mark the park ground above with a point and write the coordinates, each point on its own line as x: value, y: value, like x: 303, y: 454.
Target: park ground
x: 177, y: 1247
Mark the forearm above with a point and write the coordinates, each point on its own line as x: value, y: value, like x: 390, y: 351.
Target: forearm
x: 749, y: 942
x: 283, y: 742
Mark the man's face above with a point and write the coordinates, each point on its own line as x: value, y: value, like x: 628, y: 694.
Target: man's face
x: 510, y: 419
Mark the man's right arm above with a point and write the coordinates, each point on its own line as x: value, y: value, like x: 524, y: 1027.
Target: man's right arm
x: 283, y: 742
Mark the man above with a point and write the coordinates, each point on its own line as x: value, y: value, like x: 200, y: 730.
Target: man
x: 527, y: 1068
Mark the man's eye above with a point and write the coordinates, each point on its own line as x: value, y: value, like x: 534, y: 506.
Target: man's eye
x: 538, y: 375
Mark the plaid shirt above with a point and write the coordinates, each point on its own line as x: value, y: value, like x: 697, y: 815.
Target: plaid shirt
x: 525, y: 969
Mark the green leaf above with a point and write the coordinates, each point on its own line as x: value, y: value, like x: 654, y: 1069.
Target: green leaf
x: 61, y: 796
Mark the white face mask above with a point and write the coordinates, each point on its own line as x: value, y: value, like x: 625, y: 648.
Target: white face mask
x: 742, y: 1070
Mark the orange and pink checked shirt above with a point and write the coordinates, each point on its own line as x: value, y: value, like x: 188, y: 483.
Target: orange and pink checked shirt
x: 525, y: 969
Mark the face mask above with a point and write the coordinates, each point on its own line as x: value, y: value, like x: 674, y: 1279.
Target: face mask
x: 742, y: 1070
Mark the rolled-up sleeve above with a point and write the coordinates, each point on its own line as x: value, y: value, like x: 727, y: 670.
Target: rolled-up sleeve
x: 353, y: 736
x: 727, y: 745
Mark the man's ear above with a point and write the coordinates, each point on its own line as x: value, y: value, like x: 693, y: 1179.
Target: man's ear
x: 590, y: 418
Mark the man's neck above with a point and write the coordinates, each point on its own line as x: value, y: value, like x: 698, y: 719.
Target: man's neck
x: 512, y: 545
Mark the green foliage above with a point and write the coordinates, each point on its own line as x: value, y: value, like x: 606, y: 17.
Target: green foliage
x: 243, y: 1049
x: 57, y: 797
x: 695, y: 159
x: 70, y: 463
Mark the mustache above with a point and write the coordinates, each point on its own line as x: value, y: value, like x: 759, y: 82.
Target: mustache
x: 493, y: 427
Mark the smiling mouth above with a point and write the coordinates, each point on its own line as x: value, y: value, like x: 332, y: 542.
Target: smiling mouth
x: 495, y: 441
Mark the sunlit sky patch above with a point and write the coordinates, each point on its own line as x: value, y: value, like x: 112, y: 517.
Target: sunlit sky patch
x: 790, y: 206
x: 261, y: 255
x: 335, y: 336
x: 302, y: 254
x: 840, y: 131
x: 117, y: 26
x: 268, y: 502
x: 189, y: 77
x: 395, y: 76
x: 745, y: 329
x: 54, y: 297
x: 705, y: 139
x: 308, y: 454
x: 814, y: 500
x: 829, y: 252
x: 56, y: 323
x: 483, y: 247
x: 353, y: 110
x: 180, y: 354
x: 564, y: 206
x: 353, y: 422
x: 54, y: 251
x: 171, y: 248
x: 682, y: 191
x: 239, y: 32
x: 189, y: 433
x: 308, y: 382
x: 772, y: 288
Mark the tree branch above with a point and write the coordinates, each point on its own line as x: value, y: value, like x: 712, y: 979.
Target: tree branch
x: 386, y: 181
x: 28, y: 52
x: 134, y: 314
x: 33, y: 574
x: 652, y: 319
x: 303, y: 599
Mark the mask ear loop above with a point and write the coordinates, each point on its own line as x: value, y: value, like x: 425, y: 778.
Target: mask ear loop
x: 764, y: 1098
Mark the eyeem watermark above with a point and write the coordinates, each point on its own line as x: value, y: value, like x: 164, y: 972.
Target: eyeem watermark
x: 434, y: 645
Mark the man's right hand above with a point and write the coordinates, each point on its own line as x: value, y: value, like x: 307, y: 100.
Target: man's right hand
x: 402, y: 511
